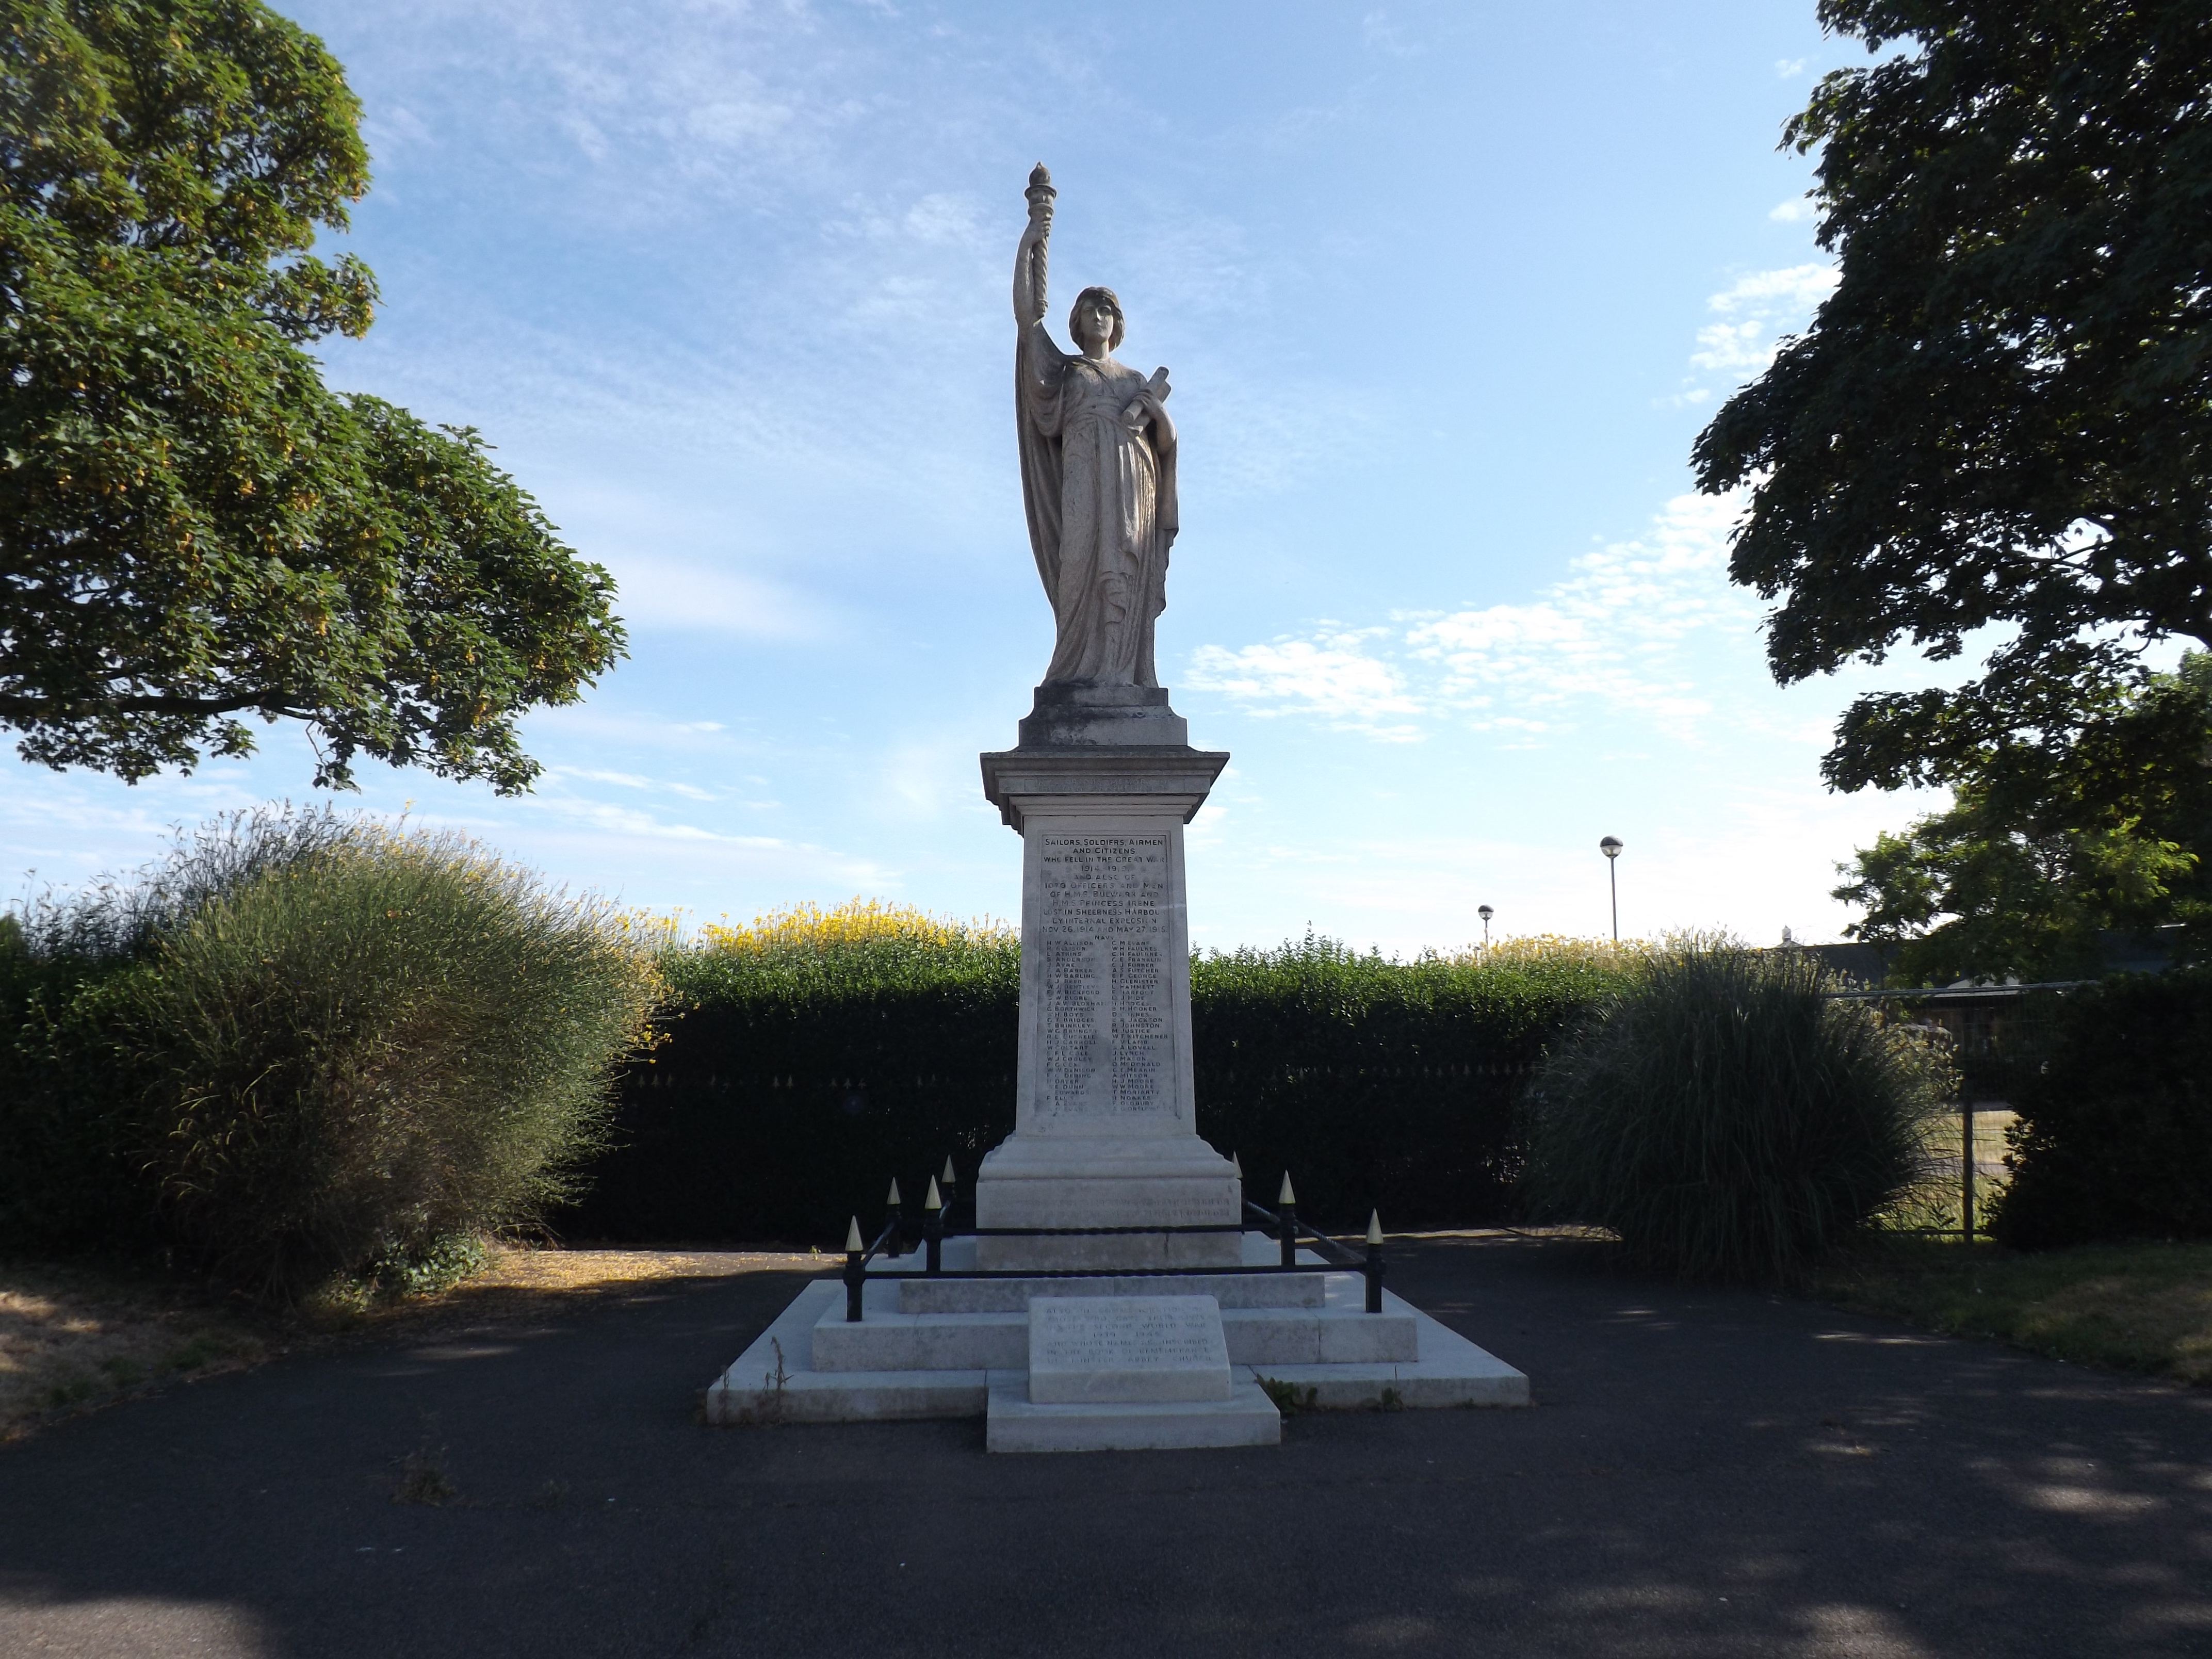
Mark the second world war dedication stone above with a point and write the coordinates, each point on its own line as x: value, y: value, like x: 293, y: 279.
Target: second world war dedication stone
x: 1127, y: 1349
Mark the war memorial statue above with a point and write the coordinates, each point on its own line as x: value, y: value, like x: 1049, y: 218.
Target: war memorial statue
x: 1100, y: 786
x: 1108, y: 1296
x: 1098, y: 473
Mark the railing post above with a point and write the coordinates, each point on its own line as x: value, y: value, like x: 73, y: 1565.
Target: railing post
x: 951, y: 1179
x: 855, y: 1277
x: 1374, y: 1268
x: 932, y: 1228
x: 891, y: 1219
x: 1967, y: 1172
x: 1286, y: 1211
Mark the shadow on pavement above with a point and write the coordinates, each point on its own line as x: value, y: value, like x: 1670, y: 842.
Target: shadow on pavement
x: 1704, y: 1472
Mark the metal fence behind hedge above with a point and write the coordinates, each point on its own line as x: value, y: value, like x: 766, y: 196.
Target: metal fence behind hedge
x: 2000, y: 1035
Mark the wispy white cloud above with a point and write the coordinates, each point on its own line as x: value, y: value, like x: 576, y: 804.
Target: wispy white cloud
x: 1628, y: 629
x: 1795, y: 211
x: 1789, y: 69
x: 1752, y: 314
x: 1336, y: 676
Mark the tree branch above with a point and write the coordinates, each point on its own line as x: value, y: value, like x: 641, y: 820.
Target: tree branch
x: 17, y: 709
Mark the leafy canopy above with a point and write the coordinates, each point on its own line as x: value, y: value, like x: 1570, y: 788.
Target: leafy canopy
x: 2032, y: 860
x: 2003, y: 416
x: 193, y: 526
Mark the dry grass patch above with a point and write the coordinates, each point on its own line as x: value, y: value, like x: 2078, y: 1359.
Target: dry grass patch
x: 2132, y: 1307
x: 75, y: 1336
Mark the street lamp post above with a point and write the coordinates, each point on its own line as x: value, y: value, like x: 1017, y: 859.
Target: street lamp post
x: 1485, y: 912
x: 1610, y: 848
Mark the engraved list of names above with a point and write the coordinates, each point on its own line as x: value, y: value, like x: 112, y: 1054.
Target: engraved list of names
x: 1108, y: 1025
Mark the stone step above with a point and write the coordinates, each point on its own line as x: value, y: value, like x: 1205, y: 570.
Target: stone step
x: 775, y: 1380
x: 1337, y: 1331
x: 1016, y: 1424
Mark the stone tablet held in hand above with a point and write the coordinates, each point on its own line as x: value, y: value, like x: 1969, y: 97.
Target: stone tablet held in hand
x: 1127, y: 1349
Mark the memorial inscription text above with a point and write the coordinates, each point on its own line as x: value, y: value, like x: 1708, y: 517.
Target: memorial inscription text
x: 1125, y: 1333
x: 1107, y: 1017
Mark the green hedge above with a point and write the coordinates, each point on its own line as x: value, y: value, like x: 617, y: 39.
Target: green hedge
x: 802, y: 1073
x: 2114, y: 1139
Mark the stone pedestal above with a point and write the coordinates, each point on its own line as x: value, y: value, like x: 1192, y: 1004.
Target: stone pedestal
x: 1105, y: 1124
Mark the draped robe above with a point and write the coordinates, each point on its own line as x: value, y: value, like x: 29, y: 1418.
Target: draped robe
x: 1102, y: 511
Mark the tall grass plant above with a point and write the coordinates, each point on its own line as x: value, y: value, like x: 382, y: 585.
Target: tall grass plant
x: 1728, y: 1119
x: 331, y: 1048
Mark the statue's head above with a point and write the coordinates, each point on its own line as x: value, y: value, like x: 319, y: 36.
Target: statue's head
x: 1096, y: 316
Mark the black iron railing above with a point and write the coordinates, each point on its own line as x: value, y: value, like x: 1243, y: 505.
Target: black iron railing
x: 1282, y: 1223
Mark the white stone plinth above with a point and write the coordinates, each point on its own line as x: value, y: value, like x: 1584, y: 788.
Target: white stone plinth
x: 898, y: 1363
x: 1149, y: 1350
x: 1105, y: 1122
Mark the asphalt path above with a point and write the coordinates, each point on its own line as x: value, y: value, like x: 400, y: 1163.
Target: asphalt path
x: 1703, y: 1474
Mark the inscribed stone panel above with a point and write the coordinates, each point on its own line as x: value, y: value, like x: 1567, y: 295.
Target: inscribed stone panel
x: 1127, y: 1348
x: 1107, y: 1017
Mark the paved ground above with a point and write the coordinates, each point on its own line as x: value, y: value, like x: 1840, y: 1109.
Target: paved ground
x: 1703, y: 1475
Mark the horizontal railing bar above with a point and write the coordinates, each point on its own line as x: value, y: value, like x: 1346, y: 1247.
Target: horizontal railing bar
x: 1098, y: 1273
x: 1350, y: 1258
x: 1346, y: 1256
x: 891, y: 1228
x: 1958, y: 992
x: 1072, y: 1232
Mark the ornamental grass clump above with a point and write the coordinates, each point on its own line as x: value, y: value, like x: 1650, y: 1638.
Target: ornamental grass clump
x: 342, y: 1051
x: 1728, y: 1119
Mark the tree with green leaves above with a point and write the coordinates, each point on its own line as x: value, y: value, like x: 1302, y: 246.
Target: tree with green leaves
x: 2027, y: 866
x: 193, y: 527
x: 2001, y: 419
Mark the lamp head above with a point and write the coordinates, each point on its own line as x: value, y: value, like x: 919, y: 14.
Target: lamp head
x: 1610, y: 847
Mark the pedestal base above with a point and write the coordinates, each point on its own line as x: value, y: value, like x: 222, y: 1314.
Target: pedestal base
x: 1066, y: 1181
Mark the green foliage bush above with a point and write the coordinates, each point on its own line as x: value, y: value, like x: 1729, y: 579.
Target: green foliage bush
x: 812, y: 1060
x: 2114, y: 1137
x: 1727, y: 1119
x: 326, y: 1048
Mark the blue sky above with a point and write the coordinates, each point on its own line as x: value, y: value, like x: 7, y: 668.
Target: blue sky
x: 1447, y: 291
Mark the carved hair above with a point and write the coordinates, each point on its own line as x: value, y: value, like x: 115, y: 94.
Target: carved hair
x: 1113, y: 302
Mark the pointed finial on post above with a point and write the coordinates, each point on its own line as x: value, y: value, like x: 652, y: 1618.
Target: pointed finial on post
x: 1287, y: 1216
x: 1373, y: 1270
x: 893, y: 1201
x: 1287, y: 1197
x: 933, y: 1228
x: 856, y: 1273
x: 951, y: 1177
x: 1237, y: 1166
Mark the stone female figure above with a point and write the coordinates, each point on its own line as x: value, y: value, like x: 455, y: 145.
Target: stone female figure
x: 1098, y: 474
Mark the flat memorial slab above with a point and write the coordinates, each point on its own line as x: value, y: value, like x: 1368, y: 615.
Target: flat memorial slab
x: 1126, y: 1349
